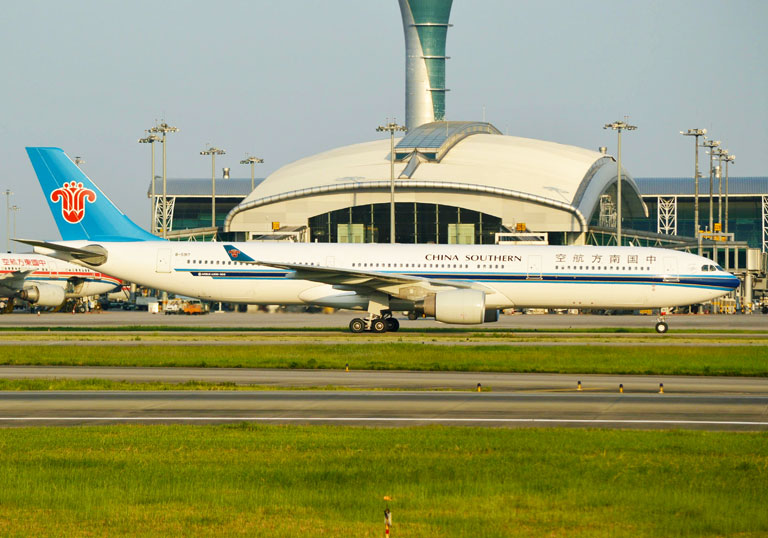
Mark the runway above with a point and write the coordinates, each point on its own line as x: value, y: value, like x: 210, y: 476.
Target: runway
x: 380, y: 408
x: 403, y: 380
x: 340, y: 320
x: 515, y: 400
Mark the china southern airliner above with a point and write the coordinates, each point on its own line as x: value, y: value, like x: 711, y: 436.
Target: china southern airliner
x: 465, y: 284
x: 44, y: 281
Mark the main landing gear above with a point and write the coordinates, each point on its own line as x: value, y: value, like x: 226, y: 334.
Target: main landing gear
x: 375, y: 324
x: 661, y: 325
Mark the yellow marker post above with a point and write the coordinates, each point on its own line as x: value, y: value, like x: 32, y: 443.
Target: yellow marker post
x: 346, y: 368
x: 578, y: 386
x: 621, y: 388
x: 661, y: 388
x: 479, y: 387
x: 387, y: 517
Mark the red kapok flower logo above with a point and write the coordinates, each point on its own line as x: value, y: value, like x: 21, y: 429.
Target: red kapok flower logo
x: 73, y: 197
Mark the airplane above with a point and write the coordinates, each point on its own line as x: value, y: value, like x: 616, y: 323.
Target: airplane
x: 463, y: 284
x: 45, y: 281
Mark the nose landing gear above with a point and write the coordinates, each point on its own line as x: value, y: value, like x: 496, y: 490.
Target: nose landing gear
x: 661, y: 325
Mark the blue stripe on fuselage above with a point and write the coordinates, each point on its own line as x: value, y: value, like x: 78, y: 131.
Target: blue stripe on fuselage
x: 723, y: 283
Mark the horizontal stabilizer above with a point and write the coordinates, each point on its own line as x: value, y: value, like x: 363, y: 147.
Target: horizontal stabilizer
x: 90, y: 254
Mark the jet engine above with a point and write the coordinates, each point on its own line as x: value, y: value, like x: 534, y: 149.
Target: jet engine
x: 456, y: 306
x: 43, y: 295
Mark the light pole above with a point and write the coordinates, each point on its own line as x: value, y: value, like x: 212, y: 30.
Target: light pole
x: 8, y: 194
x: 696, y: 133
x: 151, y: 139
x: 15, y: 209
x: 213, y: 152
x: 711, y: 144
x: 619, y: 126
x: 165, y: 129
x: 252, y: 161
x: 720, y: 154
x: 729, y: 159
x: 391, y: 127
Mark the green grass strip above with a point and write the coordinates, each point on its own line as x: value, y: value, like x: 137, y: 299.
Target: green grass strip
x: 259, y: 480
x: 192, y: 385
x: 672, y: 360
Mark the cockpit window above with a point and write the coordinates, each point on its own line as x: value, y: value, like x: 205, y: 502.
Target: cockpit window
x: 718, y: 268
x: 705, y: 267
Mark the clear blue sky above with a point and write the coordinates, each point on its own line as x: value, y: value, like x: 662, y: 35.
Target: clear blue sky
x: 284, y: 80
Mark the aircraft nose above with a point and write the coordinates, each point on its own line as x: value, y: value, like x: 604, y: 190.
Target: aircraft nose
x: 733, y: 282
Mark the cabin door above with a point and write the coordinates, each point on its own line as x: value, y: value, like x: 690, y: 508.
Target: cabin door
x: 163, y: 261
x: 670, y: 270
x: 534, y: 268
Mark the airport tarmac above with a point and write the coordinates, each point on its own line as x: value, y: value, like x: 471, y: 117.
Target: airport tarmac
x: 449, y: 398
x: 340, y: 320
x: 389, y: 408
x: 404, y: 380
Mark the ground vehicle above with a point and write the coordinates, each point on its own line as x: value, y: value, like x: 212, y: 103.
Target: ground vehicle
x: 194, y: 307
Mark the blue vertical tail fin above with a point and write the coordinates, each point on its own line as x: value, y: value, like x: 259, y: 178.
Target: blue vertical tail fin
x: 80, y: 209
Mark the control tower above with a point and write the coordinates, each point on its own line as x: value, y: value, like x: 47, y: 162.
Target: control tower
x: 425, y: 23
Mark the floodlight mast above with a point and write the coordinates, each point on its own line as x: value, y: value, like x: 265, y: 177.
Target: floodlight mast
x: 8, y: 194
x: 619, y: 126
x: 151, y: 139
x: 391, y: 127
x: 213, y: 152
x: 728, y: 160
x: 252, y: 161
x: 696, y: 133
x: 711, y: 144
x: 165, y: 129
x: 15, y: 210
x: 720, y: 154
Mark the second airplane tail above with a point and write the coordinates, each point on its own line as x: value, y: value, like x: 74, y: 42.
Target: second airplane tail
x: 80, y: 209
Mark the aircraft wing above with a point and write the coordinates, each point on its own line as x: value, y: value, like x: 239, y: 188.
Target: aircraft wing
x: 353, y: 278
x: 15, y: 279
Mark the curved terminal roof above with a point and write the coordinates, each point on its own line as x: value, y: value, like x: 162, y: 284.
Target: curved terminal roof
x: 547, y: 173
x: 433, y: 140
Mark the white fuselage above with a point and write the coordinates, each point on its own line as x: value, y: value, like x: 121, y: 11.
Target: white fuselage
x: 75, y: 280
x: 514, y: 276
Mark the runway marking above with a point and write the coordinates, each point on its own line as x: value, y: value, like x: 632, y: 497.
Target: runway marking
x: 394, y: 419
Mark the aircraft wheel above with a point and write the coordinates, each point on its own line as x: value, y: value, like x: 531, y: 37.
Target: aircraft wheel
x: 357, y: 325
x: 392, y: 325
x: 412, y: 316
x: 378, y: 326
x: 662, y: 327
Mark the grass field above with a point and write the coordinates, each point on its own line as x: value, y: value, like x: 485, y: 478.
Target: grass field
x: 258, y: 480
x: 656, y: 360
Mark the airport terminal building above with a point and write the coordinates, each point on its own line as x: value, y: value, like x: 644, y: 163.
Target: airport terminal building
x: 455, y: 182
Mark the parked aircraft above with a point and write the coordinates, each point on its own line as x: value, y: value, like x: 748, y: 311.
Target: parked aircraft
x: 45, y: 281
x: 464, y: 284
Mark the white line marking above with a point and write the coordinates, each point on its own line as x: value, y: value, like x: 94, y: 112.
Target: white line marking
x: 394, y: 419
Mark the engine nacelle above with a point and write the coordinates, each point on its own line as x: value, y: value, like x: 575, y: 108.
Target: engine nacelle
x: 466, y: 307
x: 43, y: 295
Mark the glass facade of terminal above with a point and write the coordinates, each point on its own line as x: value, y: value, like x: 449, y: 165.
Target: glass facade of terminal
x: 196, y: 212
x: 414, y: 223
x: 744, y: 217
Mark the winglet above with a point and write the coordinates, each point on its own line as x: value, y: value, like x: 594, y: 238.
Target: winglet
x: 237, y: 255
